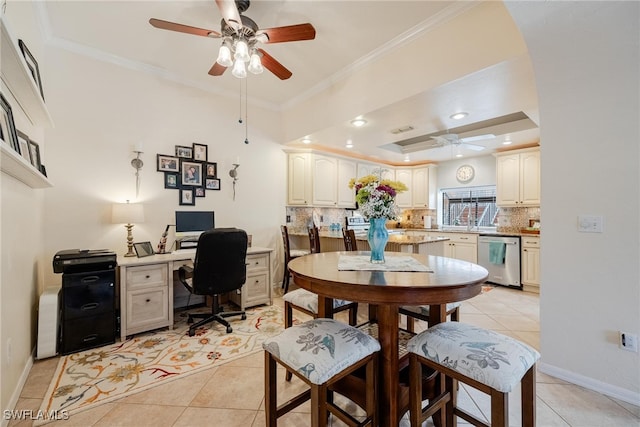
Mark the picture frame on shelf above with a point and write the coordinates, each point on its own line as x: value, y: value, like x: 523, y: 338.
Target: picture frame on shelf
x: 186, y: 197
x: 212, y: 170
x: 7, y: 125
x: 143, y: 249
x: 184, y: 152
x: 43, y: 170
x: 23, y: 142
x: 213, y: 184
x: 200, y: 152
x: 32, y: 64
x: 34, y: 152
x: 170, y: 180
x: 199, y: 192
x: 191, y: 173
x: 166, y: 163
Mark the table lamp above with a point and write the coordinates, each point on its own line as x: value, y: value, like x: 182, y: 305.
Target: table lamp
x: 127, y: 214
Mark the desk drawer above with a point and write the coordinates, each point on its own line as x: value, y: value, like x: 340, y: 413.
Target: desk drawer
x: 147, y: 307
x: 257, y: 262
x: 146, y: 275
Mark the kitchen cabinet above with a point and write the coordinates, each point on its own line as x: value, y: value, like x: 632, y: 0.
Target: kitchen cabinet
x: 462, y: 246
x: 405, y: 176
x: 530, y: 263
x: 324, y: 180
x: 257, y: 289
x: 299, y: 179
x: 371, y: 168
x: 423, y: 193
x: 518, y: 178
x: 18, y: 79
x: 347, y: 169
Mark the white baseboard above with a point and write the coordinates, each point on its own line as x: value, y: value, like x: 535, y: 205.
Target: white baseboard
x: 591, y: 384
x: 18, y: 390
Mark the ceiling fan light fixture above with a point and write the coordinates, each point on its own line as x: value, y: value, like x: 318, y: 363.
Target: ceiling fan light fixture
x: 224, y: 56
x: 255, y: 64
x: 239, y: 69
x: 458, y: 116
x: 242, y: 51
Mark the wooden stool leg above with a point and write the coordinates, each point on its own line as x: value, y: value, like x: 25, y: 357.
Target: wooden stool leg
x: 528, y: 397
x: 415, y: 391
x: 270, y: 394
x: 410, y: 324
x: 288, y: 322
x: 353, y: 315
x: 451, y: 386
x: 499, y: 409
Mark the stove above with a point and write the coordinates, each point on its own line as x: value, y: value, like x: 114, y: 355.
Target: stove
x: 357, y: 223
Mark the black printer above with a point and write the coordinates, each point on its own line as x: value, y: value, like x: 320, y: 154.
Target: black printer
x: 81, y: 260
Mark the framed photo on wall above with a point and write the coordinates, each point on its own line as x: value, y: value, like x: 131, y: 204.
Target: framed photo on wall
x: 212, y: 170
x: 213, y: 184
x: 199, y: 152
x: 168, y: 163
x: 7, y: 125
x: 184, y: 152
x: 33, y: 66
x: 23, y: 142
x: 191, y: 173
x: 170, y: 180
x: 199, y: 191
x: 186, y: 197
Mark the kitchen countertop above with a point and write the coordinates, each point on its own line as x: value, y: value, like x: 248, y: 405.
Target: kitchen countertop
x: 398, y: 238
x: 465, y: 231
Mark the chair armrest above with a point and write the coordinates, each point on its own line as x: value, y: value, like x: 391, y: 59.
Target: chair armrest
x: 184, y: 274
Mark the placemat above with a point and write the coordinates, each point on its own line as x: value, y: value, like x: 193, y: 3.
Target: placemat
x: 392, y: 263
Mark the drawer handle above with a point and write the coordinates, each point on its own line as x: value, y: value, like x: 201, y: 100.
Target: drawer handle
x: 147, y: 277
x: 90, y: 306
x: 91, y: 337
x: 90, y: 279
x: 257, y: 281
x: 464, y: 238
x: 148, y: 300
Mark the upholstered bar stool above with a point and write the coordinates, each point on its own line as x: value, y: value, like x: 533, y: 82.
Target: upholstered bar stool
x: 485, y: 360
x: 421, y: 312
x: 321, y: 352
x: 289, y: 254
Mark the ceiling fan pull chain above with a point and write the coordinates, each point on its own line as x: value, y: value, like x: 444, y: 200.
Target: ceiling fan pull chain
x: 246, y: 112
x: 240, y: 104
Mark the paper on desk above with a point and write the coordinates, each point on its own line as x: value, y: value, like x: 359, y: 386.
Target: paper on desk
x: 394, y: 263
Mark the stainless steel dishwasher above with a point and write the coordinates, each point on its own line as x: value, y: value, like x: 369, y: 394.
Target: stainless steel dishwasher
x: 502, y: 270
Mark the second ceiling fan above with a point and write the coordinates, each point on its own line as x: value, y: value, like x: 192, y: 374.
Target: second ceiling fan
x: 241, y: 36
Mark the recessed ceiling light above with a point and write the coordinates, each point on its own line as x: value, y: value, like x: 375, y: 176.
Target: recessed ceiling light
x: 358, y: 122
x: 306, y: 140
x: 507, y: 140
x: 407, y: 158
x: 458, y: 116
x: 349, y: 143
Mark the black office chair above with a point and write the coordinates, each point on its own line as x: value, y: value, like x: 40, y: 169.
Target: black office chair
x: 219, y: 267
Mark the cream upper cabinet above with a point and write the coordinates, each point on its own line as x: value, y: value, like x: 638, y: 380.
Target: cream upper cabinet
x: 325, y: 180
x: 424, y: 188
x: 347, y: 169
x: 404, y: 200
x: 530, y: 267
x: 518, y: 178
x: 371, y: 168
x: 299, y: 179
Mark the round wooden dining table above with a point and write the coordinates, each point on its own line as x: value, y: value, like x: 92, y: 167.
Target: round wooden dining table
x: 450, y: 280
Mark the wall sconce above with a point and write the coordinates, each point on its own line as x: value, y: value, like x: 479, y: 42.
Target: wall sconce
x: 137, y: 164
x: 127, y: 214
x: 233, y: 173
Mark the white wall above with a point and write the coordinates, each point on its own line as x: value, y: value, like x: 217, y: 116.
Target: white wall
x: 484, y: 166
x: 586, y: 57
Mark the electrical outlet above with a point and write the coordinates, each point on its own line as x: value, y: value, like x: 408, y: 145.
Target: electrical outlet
x: 321, y: 218
x: 288, y: 218
x: 628, y: 341
x: 590, y: 223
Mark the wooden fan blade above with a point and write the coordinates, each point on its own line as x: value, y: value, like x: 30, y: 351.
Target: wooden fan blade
x: 217, y: 69
x: 274, y: 66
x: 230, y: 13
x: 290, y: 33
x: 181, y: 28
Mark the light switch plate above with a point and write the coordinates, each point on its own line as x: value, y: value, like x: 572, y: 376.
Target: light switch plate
x: 590, y: 223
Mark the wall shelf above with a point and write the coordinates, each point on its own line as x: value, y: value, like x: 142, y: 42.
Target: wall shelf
x: 15, y: 165
x: 17, y: 77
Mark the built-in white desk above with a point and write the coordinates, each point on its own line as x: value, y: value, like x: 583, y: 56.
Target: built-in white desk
x: 146, y: 287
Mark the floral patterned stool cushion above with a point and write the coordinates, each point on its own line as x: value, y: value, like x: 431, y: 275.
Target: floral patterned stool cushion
x: 421, y: 312
x: 320, y: 352
x: 488, y: 361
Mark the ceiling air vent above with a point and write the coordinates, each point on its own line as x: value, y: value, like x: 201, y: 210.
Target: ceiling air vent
x: 403, y: 129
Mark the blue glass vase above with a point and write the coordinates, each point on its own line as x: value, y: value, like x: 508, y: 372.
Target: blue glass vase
x: 377, y: 237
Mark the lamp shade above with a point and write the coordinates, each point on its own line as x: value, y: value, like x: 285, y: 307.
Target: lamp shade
x: 127, y: 213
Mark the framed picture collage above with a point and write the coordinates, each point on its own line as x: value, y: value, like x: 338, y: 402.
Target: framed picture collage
x: 189, y: 171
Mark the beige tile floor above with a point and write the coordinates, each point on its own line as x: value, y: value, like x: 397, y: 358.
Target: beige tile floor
x: 232, y: 395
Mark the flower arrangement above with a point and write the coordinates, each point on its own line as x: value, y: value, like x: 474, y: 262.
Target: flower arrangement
x: 376, y: 197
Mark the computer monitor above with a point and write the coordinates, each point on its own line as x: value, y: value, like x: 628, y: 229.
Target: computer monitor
x: 190, y: 224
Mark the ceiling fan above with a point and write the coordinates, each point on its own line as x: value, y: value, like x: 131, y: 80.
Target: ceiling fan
x: 454, y: 140
x: 240, y: 37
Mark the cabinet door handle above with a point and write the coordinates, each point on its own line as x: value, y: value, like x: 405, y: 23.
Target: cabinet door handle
x: 90, y: 306
x: 91, y: 337
x: 147, y: 277
x: 524, y: 250
x: 89, y: 279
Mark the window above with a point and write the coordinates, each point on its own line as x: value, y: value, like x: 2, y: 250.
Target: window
x: 469, y: 206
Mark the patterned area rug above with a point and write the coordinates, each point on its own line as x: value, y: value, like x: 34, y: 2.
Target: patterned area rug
x: 86, y: 379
